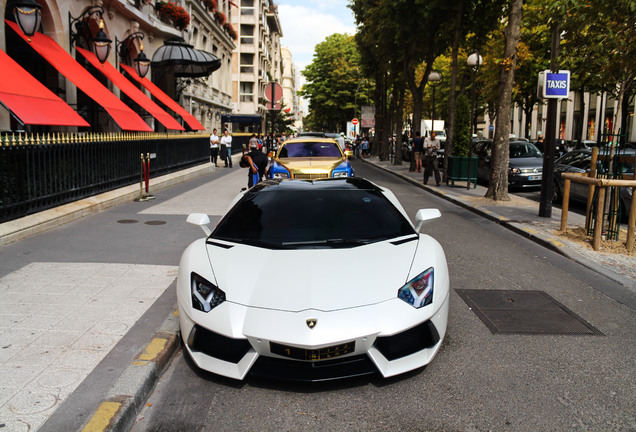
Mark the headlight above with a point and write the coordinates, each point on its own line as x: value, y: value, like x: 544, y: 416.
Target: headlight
x: 514, y: 170
x: 418, y: 292
x: 205, y: 295
x: 340, y: 174
x: 280, y: 175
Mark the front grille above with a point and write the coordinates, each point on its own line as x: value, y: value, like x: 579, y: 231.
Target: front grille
x: 218, y: 346
x: 294, y: 370
x: 408, y: 342
x: 303, y: 176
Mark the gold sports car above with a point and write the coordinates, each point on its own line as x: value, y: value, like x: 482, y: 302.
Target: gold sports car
x: 310, y: 158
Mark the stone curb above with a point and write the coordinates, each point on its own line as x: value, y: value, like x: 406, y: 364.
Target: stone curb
x: 130, y: 392
x: 512, y: 226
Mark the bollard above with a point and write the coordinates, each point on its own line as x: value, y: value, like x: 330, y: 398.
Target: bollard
x: 144, y: 179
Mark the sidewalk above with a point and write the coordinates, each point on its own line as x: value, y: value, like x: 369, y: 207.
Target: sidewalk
x: 521, y: 215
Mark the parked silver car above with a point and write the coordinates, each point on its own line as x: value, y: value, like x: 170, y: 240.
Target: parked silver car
x: 580, y: 161
x: 526, y: 163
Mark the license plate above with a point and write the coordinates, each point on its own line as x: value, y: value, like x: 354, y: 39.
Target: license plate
x: 534, y: 178
x: 312, y: 354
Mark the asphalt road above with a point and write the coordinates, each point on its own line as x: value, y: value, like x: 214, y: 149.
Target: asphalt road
x: 479, y: 381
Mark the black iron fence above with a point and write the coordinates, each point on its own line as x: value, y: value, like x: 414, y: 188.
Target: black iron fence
x: 41, y: 172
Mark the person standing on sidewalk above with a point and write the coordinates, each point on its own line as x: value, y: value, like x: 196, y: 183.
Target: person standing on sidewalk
x: 214, y: 147
x: 431, y: 145
x: 418, y: 148
x: 226, y: 147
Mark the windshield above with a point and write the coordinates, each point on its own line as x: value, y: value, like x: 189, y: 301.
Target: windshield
x: 524, y: 150
x: 310, y: 149
x: 312, y: 218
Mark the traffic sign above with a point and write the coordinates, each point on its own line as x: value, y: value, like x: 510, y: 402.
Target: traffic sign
x: 275, y: 107
x: 273, y: 92
x: 554, y: 85
x: 354, y: 121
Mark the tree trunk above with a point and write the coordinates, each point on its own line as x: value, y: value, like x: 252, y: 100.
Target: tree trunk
x: 498, y: 185
x: 452, y: 97
x: 580, y: 127
x: 399, y: 116
x: 379, y: 113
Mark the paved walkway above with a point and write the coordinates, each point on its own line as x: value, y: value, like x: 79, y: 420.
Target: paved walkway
x: 522, y: 216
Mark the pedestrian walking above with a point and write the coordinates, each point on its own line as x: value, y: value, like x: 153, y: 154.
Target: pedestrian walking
x: 418, y: 149
x: 431, y: 145
x: 214, y: 147
x: 365, y: 147
x: 226, y: 148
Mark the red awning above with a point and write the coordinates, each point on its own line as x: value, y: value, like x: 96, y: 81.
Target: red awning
x: 165, y: 99
x: 30, y: 100
x: 133, y: 92
x: 126, y: 118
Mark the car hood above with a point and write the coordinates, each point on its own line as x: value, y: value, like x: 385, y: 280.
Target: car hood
x: 526, y: 162
x: 311, y: 164
x: 322, y: 279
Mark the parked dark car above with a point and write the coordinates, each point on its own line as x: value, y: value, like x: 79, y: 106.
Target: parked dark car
x: 580, y: 161
x: 526, y: 163
x: 407, y: 147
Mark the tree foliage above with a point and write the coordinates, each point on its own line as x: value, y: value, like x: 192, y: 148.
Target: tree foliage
x: 335, y: 83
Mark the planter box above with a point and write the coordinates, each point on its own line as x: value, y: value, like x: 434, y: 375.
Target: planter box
x: 458, y: 170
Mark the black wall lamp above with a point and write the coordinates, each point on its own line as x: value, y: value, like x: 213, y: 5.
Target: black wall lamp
x: 141, y: 63
x: 79, y: 28
x: 27, y: 14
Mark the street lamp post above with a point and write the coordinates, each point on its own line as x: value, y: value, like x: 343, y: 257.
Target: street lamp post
x: 434, y: 80
x: 80, y: 28
x: 141, y: 63
x: 474, y: 61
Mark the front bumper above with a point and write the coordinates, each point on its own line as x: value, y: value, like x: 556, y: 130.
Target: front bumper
x: 391, y: 338
x: 524, y: 180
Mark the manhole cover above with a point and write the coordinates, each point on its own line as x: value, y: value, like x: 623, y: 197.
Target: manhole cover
x: 155, y: 222
x: 127, y: 221
x: 525, y: 312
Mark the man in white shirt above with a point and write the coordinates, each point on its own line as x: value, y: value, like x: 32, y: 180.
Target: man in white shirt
x: 431, y: 145
x: 214, y: 147
x: 341, y: 141
x: 226, y: 148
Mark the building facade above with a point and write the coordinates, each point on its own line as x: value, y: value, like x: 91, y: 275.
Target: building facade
x: 257, y: 61
x: 291, y: 100
x: 596, y: 118
x: 133, y: 26
x: 210, y: 98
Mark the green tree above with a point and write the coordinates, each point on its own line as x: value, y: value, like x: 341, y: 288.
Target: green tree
x: 462, y: 127
x: 599, y: 47
x: 333, y: 78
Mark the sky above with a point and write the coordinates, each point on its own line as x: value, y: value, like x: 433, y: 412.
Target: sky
x: 306, y: 23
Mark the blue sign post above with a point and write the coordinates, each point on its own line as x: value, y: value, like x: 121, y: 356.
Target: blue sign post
x: 555, y: 85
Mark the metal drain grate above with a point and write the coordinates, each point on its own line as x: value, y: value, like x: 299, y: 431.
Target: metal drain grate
x: 524, y: 312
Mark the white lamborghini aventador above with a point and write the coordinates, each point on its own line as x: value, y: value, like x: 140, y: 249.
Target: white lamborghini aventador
x: 313, y: 280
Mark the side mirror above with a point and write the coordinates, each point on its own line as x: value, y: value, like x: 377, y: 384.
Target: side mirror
x: 424, y: 215
x: 348, y: 153
x: 202, y: 220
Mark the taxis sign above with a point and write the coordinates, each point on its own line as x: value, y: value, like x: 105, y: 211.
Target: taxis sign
x: 554, y: 85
